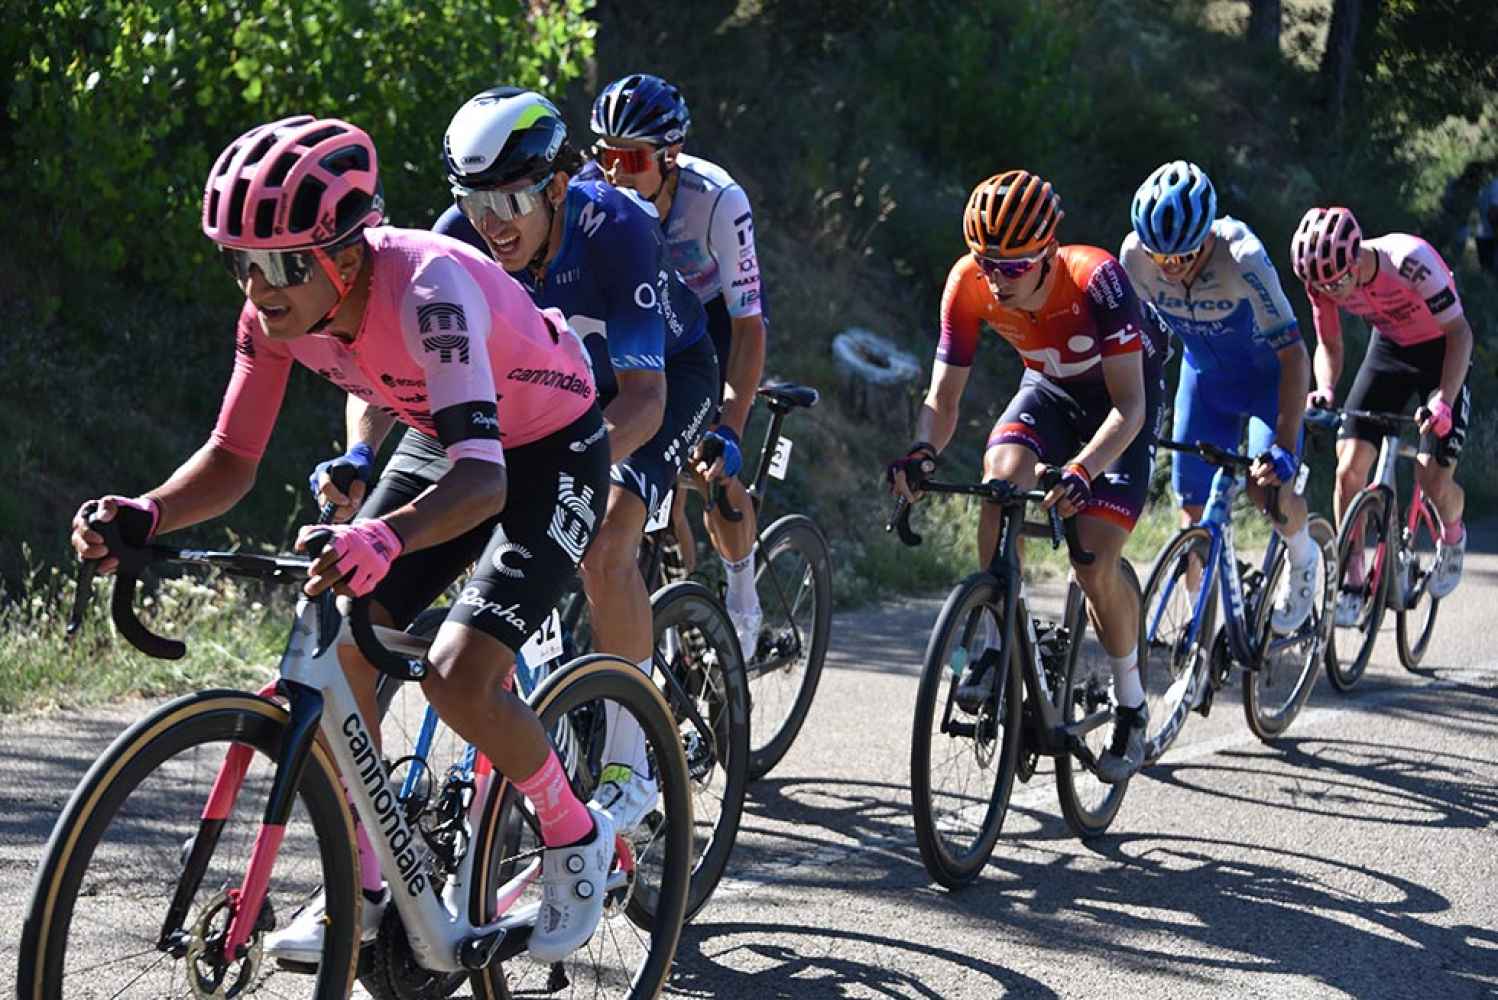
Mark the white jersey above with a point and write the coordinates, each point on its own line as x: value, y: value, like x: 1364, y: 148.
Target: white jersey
x: 1234, y: 316
x: 710, y: 237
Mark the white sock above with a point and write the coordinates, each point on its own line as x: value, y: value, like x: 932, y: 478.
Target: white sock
x: 1126, y: 684
x: 624, y: 741
x: 1302, y: 549
x: 742, y: 598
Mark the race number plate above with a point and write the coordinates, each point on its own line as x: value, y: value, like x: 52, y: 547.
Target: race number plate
x: 781, y: 460
x: 545, y: 644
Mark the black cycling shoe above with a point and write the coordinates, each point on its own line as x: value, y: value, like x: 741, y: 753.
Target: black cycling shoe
x: 976, y: 684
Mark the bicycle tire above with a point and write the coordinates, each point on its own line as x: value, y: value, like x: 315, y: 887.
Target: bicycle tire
x: 1269, y: 723
x: 1366, y: 513
x: 772, y: 732
x: 146, y: 750
x: 582, y: 682
x: 1174, y: 673
x: 1089, y: 680
x: 959, y: 621
x: 1412, y: 639
x: 720, y: 688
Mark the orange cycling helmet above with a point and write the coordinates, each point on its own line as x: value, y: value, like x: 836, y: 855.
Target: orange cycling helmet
x: 1013, y: 214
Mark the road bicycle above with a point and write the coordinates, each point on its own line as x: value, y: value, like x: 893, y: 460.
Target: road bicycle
x: 218, y: 815
x: 1051, y: 697
x: 793, y: 577
x: 1190, y: 658
x: 1388, y: 553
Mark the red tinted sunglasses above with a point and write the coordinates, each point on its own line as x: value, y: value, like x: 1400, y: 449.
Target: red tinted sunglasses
x: 634, y: 160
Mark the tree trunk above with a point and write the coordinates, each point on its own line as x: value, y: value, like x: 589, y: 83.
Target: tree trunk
x: 1340, y: 55
x: 1264, y: 23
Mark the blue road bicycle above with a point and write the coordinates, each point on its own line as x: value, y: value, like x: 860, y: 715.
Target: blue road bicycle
x: 1190, y: 658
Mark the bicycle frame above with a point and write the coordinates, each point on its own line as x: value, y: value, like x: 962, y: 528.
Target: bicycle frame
x: 1048, y: 735
x: 320, y: 699
x: 1386, y: 481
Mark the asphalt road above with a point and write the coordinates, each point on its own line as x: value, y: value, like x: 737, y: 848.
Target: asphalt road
x: 1356, y: 858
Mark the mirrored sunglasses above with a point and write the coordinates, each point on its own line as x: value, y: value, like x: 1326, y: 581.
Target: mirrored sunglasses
x: 1176, y: 259
x: 281, y: 268
x: 633, y: 160
x: 505, y: 205
x: 1007, y: 268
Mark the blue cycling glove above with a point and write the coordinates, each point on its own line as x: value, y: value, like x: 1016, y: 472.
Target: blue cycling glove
x: 1284, y: 464
x: 360, y: 457
x: 721, y: 440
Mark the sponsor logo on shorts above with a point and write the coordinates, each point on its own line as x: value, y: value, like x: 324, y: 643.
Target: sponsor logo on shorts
x: 518, y: 553
x: 573, y: 520
x: 589, y: 441
x: 471, y: 598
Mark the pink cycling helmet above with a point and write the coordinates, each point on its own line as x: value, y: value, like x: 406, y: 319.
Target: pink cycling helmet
x: 1325, y: 245
x: 292, y: 184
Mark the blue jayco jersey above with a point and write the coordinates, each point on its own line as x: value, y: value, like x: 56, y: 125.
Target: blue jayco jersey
x: 611, y: 276
x: 1234, y: 317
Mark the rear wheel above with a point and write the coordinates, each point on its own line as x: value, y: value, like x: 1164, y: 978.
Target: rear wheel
x: 1362, y: 591
x: 793, y: 578
x: 1416, y: 623
x: 1174, y: 656
x: 962, y: 764
x: 1274, y: 694
x: 631, y: 952
x: 1088, y: 804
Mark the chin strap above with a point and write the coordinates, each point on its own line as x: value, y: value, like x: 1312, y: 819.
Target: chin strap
x: 343, y: 287
x: 538, y: 259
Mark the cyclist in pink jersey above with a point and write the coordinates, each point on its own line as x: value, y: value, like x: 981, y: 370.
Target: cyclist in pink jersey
x: 1421, y: 346
x: 428, y: 332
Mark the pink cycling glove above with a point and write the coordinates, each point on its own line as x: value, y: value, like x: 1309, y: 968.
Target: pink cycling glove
x: 365, y: 551
x: 1439, y: 412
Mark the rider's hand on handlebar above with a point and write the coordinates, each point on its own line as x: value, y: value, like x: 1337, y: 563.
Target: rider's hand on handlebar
x: 718, y: 454
x: 1071, y: 493
x: 358, y: 556
x: 1435, y: 416
x: 138, y: 519
x: 1275, y: 467
x: 360, y: 458
x: 1319, y: 399
x: 905, y: 475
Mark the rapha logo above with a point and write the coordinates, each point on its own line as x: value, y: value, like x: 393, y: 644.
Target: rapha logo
x: 485, y: 420
x: 472, y: 598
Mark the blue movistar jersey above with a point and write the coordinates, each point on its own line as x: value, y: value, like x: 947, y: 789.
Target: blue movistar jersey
x: 611, y: 276
x: 1234, y: 317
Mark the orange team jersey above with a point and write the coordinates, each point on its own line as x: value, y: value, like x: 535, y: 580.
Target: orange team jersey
x: 1092, y: 313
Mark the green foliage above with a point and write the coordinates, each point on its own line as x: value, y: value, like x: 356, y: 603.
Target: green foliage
x: 117, y: 107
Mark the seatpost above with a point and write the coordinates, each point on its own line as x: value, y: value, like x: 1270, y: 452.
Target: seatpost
x: 766, y: 453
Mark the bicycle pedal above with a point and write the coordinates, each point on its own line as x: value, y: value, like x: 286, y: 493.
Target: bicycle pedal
x: 1205, y: 705
x: 477, y: 952
x: 556, y: 980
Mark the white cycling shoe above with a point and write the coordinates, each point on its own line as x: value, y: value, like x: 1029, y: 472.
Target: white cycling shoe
x: 625, y: 796
x: 1349, y: 609
x: 1294, y: 606
x: 301, y: 940
x: 573, y: 880
x: 1448, y: 571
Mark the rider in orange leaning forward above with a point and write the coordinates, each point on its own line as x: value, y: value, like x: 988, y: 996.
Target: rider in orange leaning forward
x: 1090, y: 401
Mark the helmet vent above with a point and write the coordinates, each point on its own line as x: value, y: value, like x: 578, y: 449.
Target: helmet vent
x: 283, y: 166
x: 304, y: 206
x: 265, y: 218
x: 236, y: 205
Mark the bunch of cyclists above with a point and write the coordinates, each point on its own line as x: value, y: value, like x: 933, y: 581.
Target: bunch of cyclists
x: 579, y: 331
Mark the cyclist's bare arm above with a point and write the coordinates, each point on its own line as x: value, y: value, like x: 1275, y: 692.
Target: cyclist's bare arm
x: 937, y: 421
x: 1458, y: 357
x: 1124, y: 376
x: 746, y: 366
x: 366, y: 424
x: 636, y: 413
x: 472, y: 491
x: 1295, y: 382
x: 1328, y: 364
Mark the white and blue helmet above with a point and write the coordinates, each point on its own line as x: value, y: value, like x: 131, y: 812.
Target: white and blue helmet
x: 1174, y: 208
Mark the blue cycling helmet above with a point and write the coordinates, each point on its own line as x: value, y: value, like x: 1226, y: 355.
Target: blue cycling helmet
x: 1174, y: 208
x: 642, y: 106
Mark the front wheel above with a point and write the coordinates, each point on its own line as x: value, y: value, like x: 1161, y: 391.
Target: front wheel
x: 631, y: 953
x: 1415, y: 622
x: 1274, y: 694
x: 1174, y: 653
x: 794, y: 581
x: 1088, y: 804
x: 962, y: 763
x: 1363, y: 552
x: 135, y: 886
x: 696, y: 644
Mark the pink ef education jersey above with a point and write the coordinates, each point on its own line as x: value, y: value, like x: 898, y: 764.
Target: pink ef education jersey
x: 1412, y: 294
